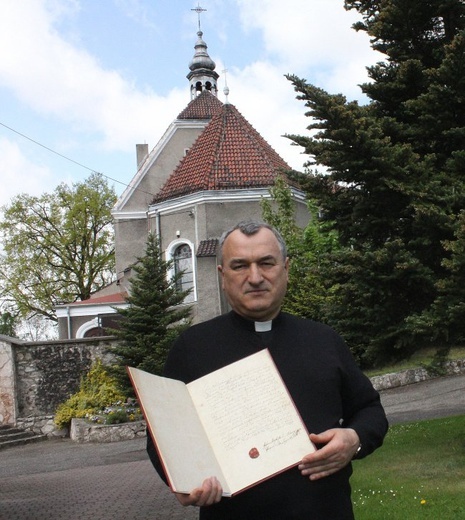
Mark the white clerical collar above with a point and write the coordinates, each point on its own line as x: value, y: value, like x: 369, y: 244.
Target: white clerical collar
x: 263, y: 326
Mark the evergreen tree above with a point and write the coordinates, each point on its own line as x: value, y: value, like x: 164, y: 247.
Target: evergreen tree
x: 7, y: 324
x: 444, y: 322
x: 394, y: 186
x: 154, y: 318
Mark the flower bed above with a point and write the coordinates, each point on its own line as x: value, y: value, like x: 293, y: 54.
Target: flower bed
x: 84, y: 431
x: 117, y: 413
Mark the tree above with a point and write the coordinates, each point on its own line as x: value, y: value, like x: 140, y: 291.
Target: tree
x: 37, y: 328
x: 394, y: 185
x: 154, y: 318
x: 7, y: 324
x: 57, y: 247
x: 309, y: 252
x: 444, y: 320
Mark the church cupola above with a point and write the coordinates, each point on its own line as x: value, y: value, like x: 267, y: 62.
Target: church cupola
x: 202, y: 75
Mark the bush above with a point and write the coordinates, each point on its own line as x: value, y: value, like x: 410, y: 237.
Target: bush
x: 117, y: 417
x: 97, y: 390
x: 117, y: 413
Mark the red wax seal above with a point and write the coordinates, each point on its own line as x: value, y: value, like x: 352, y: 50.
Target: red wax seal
x: 254, y: 453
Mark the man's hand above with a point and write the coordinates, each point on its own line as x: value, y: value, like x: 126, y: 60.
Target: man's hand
x: 340, y: 445
x: 210, y: 493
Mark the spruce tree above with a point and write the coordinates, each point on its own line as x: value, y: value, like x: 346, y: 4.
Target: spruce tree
x: 393, y: 185
x: 154, y: 318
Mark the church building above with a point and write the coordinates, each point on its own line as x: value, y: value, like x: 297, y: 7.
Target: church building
x: 208, y: 171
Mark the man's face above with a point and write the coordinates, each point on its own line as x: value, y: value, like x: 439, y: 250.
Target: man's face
x: 254, y: 273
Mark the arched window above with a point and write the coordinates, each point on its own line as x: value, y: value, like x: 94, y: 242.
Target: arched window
x: 183, y: 266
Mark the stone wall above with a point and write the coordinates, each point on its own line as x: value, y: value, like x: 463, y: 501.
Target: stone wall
x: 415, y: 375
x: 36, y: 377
x: 83, y: 431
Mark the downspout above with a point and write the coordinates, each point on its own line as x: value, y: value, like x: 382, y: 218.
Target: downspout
x: 158, y: 225
x: 68, y: 320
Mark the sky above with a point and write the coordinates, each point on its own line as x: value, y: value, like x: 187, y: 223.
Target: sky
x: 83, y: 81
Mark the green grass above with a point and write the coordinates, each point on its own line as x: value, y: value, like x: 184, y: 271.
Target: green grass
x: 418, y: 359
x: 419, y: 473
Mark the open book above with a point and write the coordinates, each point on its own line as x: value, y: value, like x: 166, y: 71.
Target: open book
x: 238, y: 423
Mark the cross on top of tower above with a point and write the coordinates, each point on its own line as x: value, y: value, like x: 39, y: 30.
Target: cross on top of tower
x: 198, y: 10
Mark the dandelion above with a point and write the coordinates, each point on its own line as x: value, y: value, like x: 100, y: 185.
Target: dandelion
x: 422, y: 501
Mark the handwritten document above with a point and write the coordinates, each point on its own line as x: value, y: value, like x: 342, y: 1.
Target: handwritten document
x: 238, y: 423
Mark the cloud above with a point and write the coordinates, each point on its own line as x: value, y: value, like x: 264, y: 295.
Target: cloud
x: 138, y: 11
x: 18, y: 171
x: 55, y: 78
x: 314, y: 38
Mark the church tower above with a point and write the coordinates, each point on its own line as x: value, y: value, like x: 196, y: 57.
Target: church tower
x: 202, y: 75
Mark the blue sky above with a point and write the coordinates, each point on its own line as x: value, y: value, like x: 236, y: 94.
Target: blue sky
x: 92, y: 78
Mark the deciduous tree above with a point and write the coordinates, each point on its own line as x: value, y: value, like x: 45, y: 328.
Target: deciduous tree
x: 310, y: 251
x: 58, y: 247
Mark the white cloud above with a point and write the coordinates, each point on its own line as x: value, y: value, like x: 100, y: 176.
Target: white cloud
x: 19, y: 174
x: 54, y: 78
x: 313, y: 38
x: 137, y: 11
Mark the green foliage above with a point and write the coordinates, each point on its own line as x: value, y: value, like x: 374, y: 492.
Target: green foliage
x: 443, y: 321
x: 155, y: 316
x: 417, y: 474
x: 309, y: 252
x: 57, y: 247
x: 393, y: 187
x: 437, y: 366
x: 7, y: 324
x: 97, y: 390
x: 117, y: 417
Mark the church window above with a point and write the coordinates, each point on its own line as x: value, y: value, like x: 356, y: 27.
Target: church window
x: 182, y: 259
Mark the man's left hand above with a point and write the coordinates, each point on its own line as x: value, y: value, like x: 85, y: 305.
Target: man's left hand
x: 339, y: 447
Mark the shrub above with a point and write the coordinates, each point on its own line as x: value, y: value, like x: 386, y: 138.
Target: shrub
x: 117, y: 417
x: 96, y: 391
x: 117, y: 413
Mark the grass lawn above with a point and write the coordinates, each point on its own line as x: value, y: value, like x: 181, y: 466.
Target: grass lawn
x: 419, y: 473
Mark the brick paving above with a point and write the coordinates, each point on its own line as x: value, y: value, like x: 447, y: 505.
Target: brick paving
x: 56, y: 480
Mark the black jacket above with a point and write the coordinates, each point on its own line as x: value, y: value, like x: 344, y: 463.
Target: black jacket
x: 327, y: 387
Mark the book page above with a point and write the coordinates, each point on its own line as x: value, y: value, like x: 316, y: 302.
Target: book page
x: 253, y: 425
x: 177, y: 432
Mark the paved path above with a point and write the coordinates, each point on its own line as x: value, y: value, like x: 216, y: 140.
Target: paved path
x: 60, y: 479
x: 441, y: 397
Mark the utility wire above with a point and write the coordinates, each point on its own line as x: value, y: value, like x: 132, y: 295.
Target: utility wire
x: 71, y: 160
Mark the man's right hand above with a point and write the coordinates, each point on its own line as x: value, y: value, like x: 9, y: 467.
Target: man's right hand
x: 210, y: 493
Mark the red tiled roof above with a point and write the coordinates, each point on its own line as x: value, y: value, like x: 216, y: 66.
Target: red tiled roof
x: 109, y: 298
x: 228, y: 154
x: 204, y: 106
x: 207, y: 247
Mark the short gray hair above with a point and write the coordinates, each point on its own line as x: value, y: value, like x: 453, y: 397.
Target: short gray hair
x: 249, y: 228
